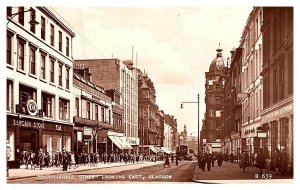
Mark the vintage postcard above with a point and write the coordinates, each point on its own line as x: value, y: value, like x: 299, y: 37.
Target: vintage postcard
x: 178, y: 94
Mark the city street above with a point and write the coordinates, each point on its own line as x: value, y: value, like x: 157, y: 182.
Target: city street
x: 145, y: 172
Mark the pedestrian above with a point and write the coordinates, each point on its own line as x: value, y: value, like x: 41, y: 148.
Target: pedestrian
x: 172, y: 158
x: 213, y: 160
x: 220, y: 159
x: 244, y: 161
x: 276, y: 160
x: 65, y: 161
x: 231, y: 158
x: 283, y: 160
x: 32, y: 159
x: 208, y: 161
x: 202, y: 161
x: 40, y: 158
x: 177, y: 159
x: 167, y: 162
x: 8, y: 155
x: 261, y: 160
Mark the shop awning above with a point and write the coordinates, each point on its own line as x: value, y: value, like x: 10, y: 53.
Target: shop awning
x: 167, y: 151
x: 125, y: 144
x: 153, y: 149
x: 116, y: 141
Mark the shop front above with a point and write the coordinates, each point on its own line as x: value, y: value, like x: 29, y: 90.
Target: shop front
x: 117, y: 143
x: 277, y: 122
x: 236, y: 145
x: 134, y: 142
x: 250, y: 141
x: 26, y: 133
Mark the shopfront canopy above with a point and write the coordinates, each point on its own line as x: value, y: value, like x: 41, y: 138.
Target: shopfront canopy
x: 116, y: 141
x: 153, y: 149
x: 125, y: 143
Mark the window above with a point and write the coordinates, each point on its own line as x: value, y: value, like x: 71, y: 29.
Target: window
x: 218, y: 113
x: 47, y: 105
x: 32, y: 60
x: 43, y: 66
x: 67, y: 79
x: 290, y: 72
x: 21, y: 15
x: 52, y: 35
x: 77, y: 107
x: 64, y: 109
x: 274, y: 134
x: 25, y: 94
x: 275, y: 85
x: 43, y: 28
x: 9, y: 49
x: 60, y: 41
x: 52, y: 70
x: 21, y: 48
x: 8, y: 11
x: 284, y: 132
x: 96, y: 112
x: 211, y: 112
x: 102, y: 114
x: 266, y: 91
x: 109, y: 116
x: 9, y: 95
x: 88, y: 110
x: 281, y: 71
x: 32, y: 19
x: 67, y: 46
x: 60, y: 75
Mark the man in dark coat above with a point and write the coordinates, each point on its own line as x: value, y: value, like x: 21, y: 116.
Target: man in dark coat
x: 65, y: 161
x: 220, y: 159
x: 41, y: 158
x: 209, y: 158
x: 261, y: 160
x: 276, y: 160
x: 283, y: 160
x: 167, y: 162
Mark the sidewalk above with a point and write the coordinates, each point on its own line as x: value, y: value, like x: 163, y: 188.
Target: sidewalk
x: 26, y: 173
x: 233, y: 172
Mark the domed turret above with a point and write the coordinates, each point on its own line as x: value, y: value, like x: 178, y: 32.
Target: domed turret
x: 218, y: 63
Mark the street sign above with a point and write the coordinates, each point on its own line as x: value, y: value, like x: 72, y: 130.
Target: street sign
x: 261, y: 134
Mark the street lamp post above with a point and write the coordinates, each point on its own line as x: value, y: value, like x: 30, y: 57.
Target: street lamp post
x: 198, y: 97
x: 32, y: 20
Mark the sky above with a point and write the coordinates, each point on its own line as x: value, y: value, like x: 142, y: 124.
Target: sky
x: 174, y: 45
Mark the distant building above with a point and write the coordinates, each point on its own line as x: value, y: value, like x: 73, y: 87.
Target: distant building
x: 192, y: 142
x: 120, y: 77
x: 214, y: 99
x: 151, y: 119
x: 182, y: 137
x: 172, y: 122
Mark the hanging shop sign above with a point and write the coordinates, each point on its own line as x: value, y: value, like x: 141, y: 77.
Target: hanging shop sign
x: 261, y: 134
x: 102, y: 136
x: 58, y: 127
x: 32, y: 107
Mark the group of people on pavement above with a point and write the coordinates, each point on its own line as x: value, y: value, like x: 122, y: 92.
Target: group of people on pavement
x: 207, y: 160
x: 279, y: 161
x: 172, y: 156
x: 68, y: 159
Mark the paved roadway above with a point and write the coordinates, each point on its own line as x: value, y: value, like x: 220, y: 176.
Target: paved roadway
x: 122, y: 174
